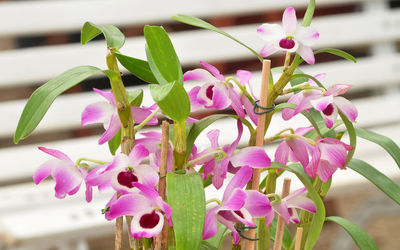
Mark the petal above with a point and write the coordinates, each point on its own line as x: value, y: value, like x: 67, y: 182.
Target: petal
x: 213, y: 137
x: 129, y: 204
x: 319, y: 77
x: 346, y: 107
x: 111, y: 131
x: 337, y: 89
x: 302, y: 202
x: 210, y: 224
x: 322, y: 103
x: 289, y: 20
x: 220, y: 97
x: 67, y: 179
x: 307, y: 36
x: 299, y: 150
x: 312, y: 166
x: 249, y: 107
x: 325, y: 170
x: 58, y: 154
x: 243, y: 216
x: 230, y: 225
x: 106, y: 94
x: 254, y: 157
x: 257, y: 204
x: 270, y: 32
x: 235, y: 201
x: 146, y: 175
x: 268, y: 49
x: 141, y: 114
x: 236, y: 103
x: 219, y: 172
x: 306, y: 53
x: 99, y: 112
x: 147, y: 224
x: 282, y: 153
x: 137, y: 155
x: 289, y: 113
x: 239, y: 180
x: 231, y: 148
x: 282, y: 209
x: 213, y: 70
x: 244, y: 76
x: 46, y: 169
x: 337, y: 142
x: 149, y: 192
x: 194, y: 103
x: 198, y: 75
x: 334, y: 153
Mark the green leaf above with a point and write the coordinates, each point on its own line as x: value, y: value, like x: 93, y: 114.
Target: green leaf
x: 352, y: 135
x: 172, y: 100
x: 337, y: 52
x: 43, y: 97
x: 303, y: 76
x: 207, y: 246
x: 385, y: 142
x: 161, y: 55
x: 309, y: 14
x: 114, y: 143
x: 360, y: 237
x: 114, y: 37
x: 137, y: 67
x: 135, y: 97
x: 381, y: 181
x: 319, y: 216
x: 296, y: 80
x: 218, y: 239
x: 197, y: 22
x: 287, y: 238
x: 187, y: 200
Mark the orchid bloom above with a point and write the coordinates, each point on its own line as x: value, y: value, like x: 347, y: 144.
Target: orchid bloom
x: 291, y: 38
x: 106, y: 113
x: 214, y: 93
x: 286, y: 207
x: 124, y: 171
x: 329, y: 104
x: 237, y: 206
x: 244, y: 79
x: 254, y: 157
x: 328, y: 155
x: 68, y: 177
x: 147, y: 209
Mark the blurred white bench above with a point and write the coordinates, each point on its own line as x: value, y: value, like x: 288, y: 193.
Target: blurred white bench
x: 30, y: 215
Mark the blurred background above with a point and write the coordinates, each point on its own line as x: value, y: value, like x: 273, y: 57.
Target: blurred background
x: 41, y: 39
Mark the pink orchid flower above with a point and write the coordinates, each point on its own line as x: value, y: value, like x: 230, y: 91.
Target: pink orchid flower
x: 237, y: 206
x: 291, y: 38
x: 124, y: 171
x: 214, y: 93
x: 287, y: 206
x: 244, y: 79
x: 147, y: 209
x: 329, y: 104
x: 68, y: 177
x: 106, y: 113
x: 254, y: 157
x: 328, y: 155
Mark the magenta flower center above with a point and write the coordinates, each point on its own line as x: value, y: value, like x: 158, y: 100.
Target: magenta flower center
x: 127, y: 178
x: 149, y: 220
x: 287, y: 43
x: 210, y: 92
x: 239, y: 213
x: 328, y: 110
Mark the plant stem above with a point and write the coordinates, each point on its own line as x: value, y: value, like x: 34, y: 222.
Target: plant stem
x: 179, y: 161
x: 78, y: 162
x: 143, y: 123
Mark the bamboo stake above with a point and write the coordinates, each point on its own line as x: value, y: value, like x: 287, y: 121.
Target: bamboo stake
x: 281, y: 222
x: 161, y: 238
x: 260, y: 136
x: 299, y: 235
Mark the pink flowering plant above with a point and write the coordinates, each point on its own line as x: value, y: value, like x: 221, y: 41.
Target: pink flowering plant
x: 158, y: 180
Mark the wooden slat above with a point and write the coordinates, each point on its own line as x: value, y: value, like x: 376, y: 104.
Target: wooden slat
x: 33, y: 17
x: 38, y: 64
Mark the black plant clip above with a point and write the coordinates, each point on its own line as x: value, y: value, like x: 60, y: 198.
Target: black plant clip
x: 241, y: 229
x: 265, y: 109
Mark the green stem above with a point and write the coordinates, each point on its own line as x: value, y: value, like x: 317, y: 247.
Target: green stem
x: 179, y: 161
x: 287, y: 61
x: 214, y: 153
x: 301, y: 87
x: 143, y: 123
x: 78, y: 162
x: 214, y: 200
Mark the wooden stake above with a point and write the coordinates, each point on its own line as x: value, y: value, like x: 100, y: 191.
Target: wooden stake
x: 260, y: 136
x: 299, y: 235
x: 119, y: 225
x: 281, y: 222
x: 162, y: 237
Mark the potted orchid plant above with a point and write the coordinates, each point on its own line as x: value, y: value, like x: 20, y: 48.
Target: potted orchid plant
x: 159, y: 178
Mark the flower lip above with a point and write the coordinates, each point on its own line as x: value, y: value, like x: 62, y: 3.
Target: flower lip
x: 127, y: 178
x: 287, y: 43
x: 329, y: 109
x: 149, y: 220
x: 210, y: 92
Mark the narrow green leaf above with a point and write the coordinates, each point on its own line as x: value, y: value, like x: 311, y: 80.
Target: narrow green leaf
x: 337, y: 52
x: 309, y: 14
x: 137, y: 67
x: 114, y: 37
x: 285, y: 105
x: 360, y: 237
x: 287, y: 238
x: 161, y: 55
x: 218, y: 239
x: 187, y: 200
x: 135, y: 97
x: 172, y: 100
x: 381, y: 181
x: 43, y: 97
x: 352, y: 136
x: 197, y: 22
x: 114, y: 143
x: 207, y: 246
x: 319, y: 216
x: 385, y: 142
